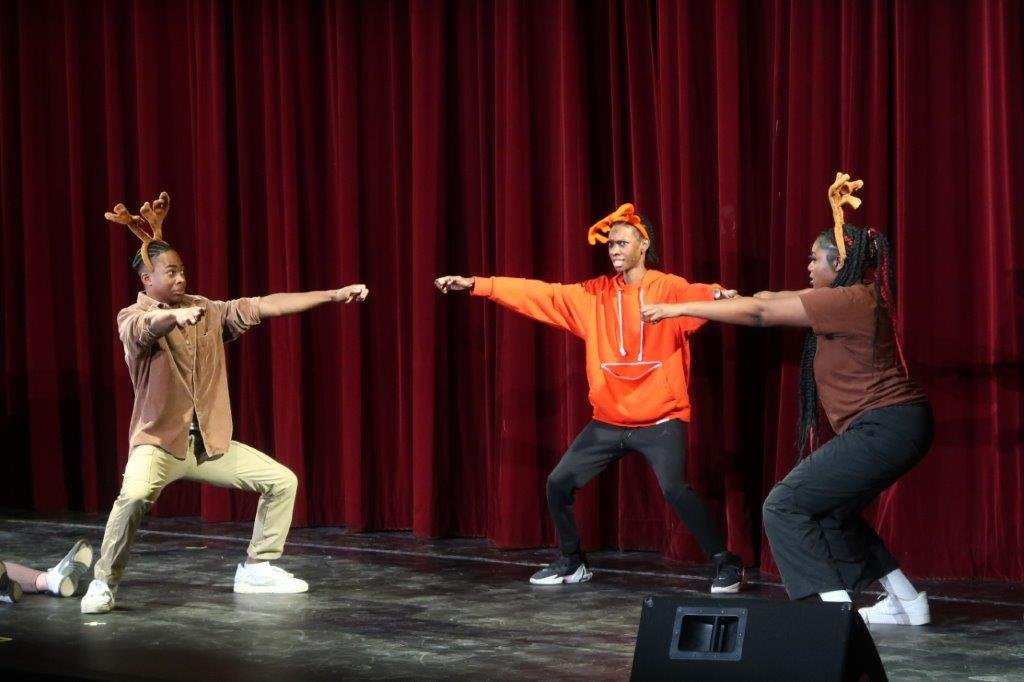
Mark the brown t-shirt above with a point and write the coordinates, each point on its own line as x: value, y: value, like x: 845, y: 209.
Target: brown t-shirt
x: 852, y: 372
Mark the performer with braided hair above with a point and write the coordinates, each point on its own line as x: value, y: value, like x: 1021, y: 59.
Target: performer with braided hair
x: 853, y: 362
x: 638, y: 384
x: 181, y: 421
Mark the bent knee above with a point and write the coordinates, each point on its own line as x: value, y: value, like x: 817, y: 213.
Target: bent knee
x: 675, y: 489
x: 560, y: 483
x: 138, y: 493
x: 779, y: 508
x: 287, y: 482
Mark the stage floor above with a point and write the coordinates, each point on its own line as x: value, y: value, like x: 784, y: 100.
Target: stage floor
x: 387, y: 605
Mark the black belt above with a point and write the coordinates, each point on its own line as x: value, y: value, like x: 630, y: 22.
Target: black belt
x: 198, y: 446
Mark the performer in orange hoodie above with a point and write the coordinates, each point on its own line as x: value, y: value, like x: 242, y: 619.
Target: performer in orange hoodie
x: 638, y: 383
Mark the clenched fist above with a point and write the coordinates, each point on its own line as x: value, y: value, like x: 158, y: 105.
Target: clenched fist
x: 353, y: 292
x: 184, y: 317
x: 454, y: 283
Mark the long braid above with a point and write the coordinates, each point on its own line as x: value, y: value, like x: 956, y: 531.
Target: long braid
x: 859, y: 260
x: 886, y: 293
x: 808, y: 414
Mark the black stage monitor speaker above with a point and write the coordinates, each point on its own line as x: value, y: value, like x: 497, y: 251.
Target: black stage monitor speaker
x: 753, y: 639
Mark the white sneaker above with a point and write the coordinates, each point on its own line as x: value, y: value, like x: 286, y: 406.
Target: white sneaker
x: 99, y: 598
x: 10, y: 590
x: 891, y: 610
x: 62, y: 579
x: 262, y: 578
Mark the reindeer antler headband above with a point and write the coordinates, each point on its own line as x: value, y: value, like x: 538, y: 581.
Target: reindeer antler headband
x: 623, y: 214
x: 840, y: 194
x: 152, y: 218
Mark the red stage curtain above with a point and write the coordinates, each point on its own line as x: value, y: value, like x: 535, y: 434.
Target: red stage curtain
x: 313, y: 144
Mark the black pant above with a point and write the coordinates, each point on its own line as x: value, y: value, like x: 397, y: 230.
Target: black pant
x: 598, y: 445
x: 812, y: 517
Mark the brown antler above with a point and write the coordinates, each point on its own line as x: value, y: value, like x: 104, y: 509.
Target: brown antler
x: 840, y: 194
x: 156, y: 213
x: 148, y: 229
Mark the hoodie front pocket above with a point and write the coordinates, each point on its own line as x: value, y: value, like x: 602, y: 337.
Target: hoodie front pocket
x: 635, y: 391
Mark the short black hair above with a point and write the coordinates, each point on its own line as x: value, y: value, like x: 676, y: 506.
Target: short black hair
x: 155, y: 249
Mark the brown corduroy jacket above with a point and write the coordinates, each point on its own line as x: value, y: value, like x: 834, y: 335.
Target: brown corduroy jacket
x: 182, y: 373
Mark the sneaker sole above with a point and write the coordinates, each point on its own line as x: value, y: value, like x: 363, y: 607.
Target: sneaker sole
x: 896, y: 619
x: 10, y: 590
x: 76, y: 562
x: 81, y: 553
x: 67, y: 587
x: 268, y: 589
x: 12, y: 594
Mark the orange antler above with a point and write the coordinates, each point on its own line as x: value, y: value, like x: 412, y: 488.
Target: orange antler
x: 623, y: 214
x: 840, y: 194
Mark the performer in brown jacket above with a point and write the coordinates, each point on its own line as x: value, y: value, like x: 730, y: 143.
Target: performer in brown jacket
x: 181, y: 422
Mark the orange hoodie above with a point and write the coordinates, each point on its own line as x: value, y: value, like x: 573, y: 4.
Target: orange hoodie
x: 638, y: 373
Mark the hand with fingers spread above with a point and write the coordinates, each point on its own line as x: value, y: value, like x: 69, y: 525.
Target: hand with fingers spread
x: 454, y: 283
x: 353, y: 292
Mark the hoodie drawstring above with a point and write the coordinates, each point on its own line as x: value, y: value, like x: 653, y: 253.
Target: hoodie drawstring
x: 640, y: 356
x: 622, y: 336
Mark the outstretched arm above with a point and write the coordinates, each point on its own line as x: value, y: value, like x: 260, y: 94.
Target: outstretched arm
x: 742, y: 310
x: 779, y: 294
x: 560, y: 305
x: 276, y: 305
x: 138, y: 330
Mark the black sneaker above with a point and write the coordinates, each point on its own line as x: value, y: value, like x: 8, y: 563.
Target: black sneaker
x: 567, y: 569
x: 10, y: 590
x: 729, y: 579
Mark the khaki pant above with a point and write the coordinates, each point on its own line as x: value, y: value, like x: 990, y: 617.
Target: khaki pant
x: 150, y: 469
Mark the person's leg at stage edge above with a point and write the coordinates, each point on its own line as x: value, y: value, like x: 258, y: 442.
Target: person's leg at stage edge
x: 597, y: 446
x: 61, y: 580
x: 812, y: 517
x: 245, y: 468
x: 664, y: 447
